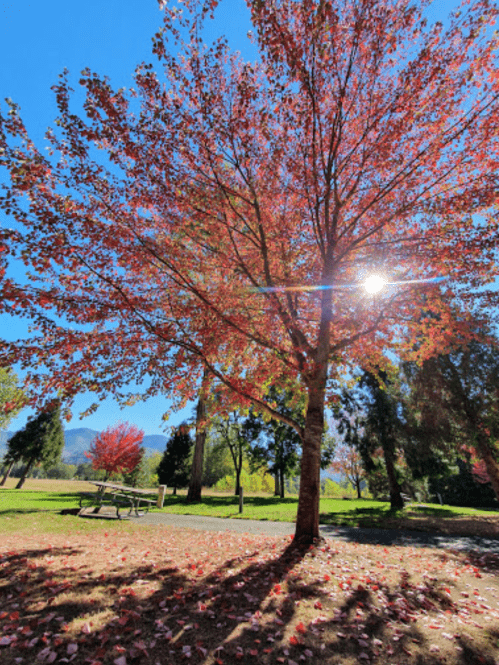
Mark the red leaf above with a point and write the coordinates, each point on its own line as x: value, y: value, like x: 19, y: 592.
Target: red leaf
x: 300, y: 628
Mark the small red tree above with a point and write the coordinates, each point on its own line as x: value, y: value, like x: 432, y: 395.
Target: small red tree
x: 117, y: 449
x: 348, y: 462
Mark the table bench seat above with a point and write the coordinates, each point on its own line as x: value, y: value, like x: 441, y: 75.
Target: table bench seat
x: 117, y: 500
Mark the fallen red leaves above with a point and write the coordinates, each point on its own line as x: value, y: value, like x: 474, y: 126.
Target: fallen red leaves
x: 222, y: 598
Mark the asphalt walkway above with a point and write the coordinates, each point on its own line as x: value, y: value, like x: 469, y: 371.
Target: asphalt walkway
x: 349, y: 534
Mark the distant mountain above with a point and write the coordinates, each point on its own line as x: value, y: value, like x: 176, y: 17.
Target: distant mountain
x: 78, y: 440
x: 155, y: 441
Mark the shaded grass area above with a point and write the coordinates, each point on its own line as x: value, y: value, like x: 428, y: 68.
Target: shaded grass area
x: 14, y: 502
x: 340, y: 512
x: 343, y: 512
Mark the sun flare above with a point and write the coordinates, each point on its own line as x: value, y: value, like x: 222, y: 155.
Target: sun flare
x: 374, y: 283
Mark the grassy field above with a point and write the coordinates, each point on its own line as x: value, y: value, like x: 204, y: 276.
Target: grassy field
x: 56, y: 495
x: 103, y: 592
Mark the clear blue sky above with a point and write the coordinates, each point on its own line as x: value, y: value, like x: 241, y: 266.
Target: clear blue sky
x: 37, y: 41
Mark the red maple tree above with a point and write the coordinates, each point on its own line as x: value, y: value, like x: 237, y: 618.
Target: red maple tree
x: 348, y: 462
x: 238, y: 205
x: 117, y: 449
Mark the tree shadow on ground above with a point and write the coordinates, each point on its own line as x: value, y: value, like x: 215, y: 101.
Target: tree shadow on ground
x: 231, y: 500
x: 184, y: 616
x: 236, y: 613
x: 29, y: 501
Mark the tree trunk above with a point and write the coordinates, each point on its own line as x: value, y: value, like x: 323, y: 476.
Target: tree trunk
x: 396, y: 500
x: 281, y: 482
x: 359, y: 493
x: 7, y: 473
x: 174, y: 490
x: 25, y: 474
x: 277, y: 489
x: 491, y: 464
x: 307, y: 518
x: 238, y: 480
x: 194, y: 493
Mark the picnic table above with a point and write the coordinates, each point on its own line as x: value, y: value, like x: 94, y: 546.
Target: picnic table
x: 121, y: 497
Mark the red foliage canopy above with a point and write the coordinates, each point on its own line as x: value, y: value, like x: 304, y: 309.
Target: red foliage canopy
x: 117, y: 449
x: 223, y: 214
x: 348, y: 462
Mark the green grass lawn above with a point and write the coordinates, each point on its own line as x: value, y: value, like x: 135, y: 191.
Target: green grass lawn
x: 352, y: 512
x: 16, y: 502
x: 361, y: 512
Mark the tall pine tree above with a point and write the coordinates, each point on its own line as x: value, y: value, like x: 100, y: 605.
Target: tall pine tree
x: 173, y: 470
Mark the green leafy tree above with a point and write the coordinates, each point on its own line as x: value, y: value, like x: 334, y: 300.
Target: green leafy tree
x: 174, y: 470
x: 12, y: 398
x: 86, y: 471
x: 217, y: 460
x: 145, y: 473
x: 61, y: 471
x: 369, y: 419
x: 41, y: 441
x: 383, y: 425
x: 230, y: 429
x: 272, y: 443
x: 455, y: 396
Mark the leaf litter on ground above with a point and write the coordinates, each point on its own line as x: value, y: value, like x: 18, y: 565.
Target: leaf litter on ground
x: 164, y: 595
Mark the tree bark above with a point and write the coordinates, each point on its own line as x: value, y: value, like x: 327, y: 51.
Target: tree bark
x: 396, y: 499
x: 491, y: 463
x: 307, y: 518
x: 277, y: 489
x: 238, y: 471
x: 194, y: 493
x: 7, y: 473
x: 281, y: 481
x: 25, y: 474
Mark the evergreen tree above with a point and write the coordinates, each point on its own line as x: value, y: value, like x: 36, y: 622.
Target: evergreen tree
x: 369, y: 419
x: 40, y: 441
x: 272, y: 443
x: 455, y: 399
x: 174, y: 470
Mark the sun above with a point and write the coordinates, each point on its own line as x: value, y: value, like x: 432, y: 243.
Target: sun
x: 374, y: 283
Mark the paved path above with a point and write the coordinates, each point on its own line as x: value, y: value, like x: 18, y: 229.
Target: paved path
x: 356, y: 535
